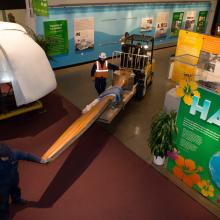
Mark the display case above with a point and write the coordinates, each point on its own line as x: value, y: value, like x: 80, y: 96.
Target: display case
x: 183, y: 66
x: 204, y: 69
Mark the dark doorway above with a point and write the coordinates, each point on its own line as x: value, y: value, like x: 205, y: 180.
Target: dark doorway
x: 12, y: 4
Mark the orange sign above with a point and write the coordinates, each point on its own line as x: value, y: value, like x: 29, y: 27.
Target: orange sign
x: 211, y: 44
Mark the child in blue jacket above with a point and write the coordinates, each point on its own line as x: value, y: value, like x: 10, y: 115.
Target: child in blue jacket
x: 9, y: 177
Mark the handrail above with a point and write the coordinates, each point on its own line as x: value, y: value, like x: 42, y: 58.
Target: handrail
x: 130, y: 60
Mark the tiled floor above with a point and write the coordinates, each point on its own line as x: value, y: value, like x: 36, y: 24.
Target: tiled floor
x: 132, y: 125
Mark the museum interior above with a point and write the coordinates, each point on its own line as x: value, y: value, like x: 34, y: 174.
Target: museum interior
x: 109, y: 110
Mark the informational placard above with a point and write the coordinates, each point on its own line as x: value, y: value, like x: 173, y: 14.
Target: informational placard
x: 198, y: 142
x: 176, y: 23
x: 40, y: 7
x: 201, y: 23
x: 84, y: 33
x: 209, y: 63
x: 147, y: 24
x: 57, y: 35
x: 161, y: 24
x: 190, y: 20
x: 213, y: 71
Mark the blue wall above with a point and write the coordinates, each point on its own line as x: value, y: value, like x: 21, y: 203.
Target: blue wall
x: 111, y: 22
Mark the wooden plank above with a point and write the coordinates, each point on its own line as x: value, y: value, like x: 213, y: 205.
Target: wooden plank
x: 76, y: 129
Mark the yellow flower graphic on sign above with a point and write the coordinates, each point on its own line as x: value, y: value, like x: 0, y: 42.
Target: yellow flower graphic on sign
x: 218, y: 90
x: 187, y: 89
x: 206, y: 188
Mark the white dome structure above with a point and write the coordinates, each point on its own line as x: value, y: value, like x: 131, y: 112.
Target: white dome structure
x: 24, y: 64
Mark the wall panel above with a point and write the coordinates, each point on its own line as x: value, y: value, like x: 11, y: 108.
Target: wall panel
x: 111, y: 22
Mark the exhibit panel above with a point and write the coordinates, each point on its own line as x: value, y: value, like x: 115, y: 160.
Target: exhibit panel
x: 198, y: 161
x: 197, y: 55
x: 106, y: 24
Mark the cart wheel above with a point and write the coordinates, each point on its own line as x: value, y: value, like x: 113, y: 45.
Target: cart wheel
x: 140, y: 90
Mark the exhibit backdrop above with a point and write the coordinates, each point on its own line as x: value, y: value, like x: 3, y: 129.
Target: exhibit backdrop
x: 112, y: 21
x: 198, y: 142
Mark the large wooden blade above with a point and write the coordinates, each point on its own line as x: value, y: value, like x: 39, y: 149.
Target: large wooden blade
x: 77, y: 128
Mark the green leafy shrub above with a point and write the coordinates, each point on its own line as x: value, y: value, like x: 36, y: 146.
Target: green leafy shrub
x: 163, y: 129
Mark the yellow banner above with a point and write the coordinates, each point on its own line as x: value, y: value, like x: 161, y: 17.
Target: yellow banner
x: 189, y: 43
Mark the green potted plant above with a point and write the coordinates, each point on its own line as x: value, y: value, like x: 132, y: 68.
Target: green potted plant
x: 40, y: 40
x: 160, y: 141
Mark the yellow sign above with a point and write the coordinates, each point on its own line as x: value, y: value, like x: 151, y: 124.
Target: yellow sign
x: 188, y: 47
x: 189, y: 43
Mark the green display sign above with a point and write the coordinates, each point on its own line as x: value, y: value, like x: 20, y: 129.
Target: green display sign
x: 40, y: 7
x: 200, y: 28
x: 198, y: 142
x: 176, y: 23
x: 57, y: 35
